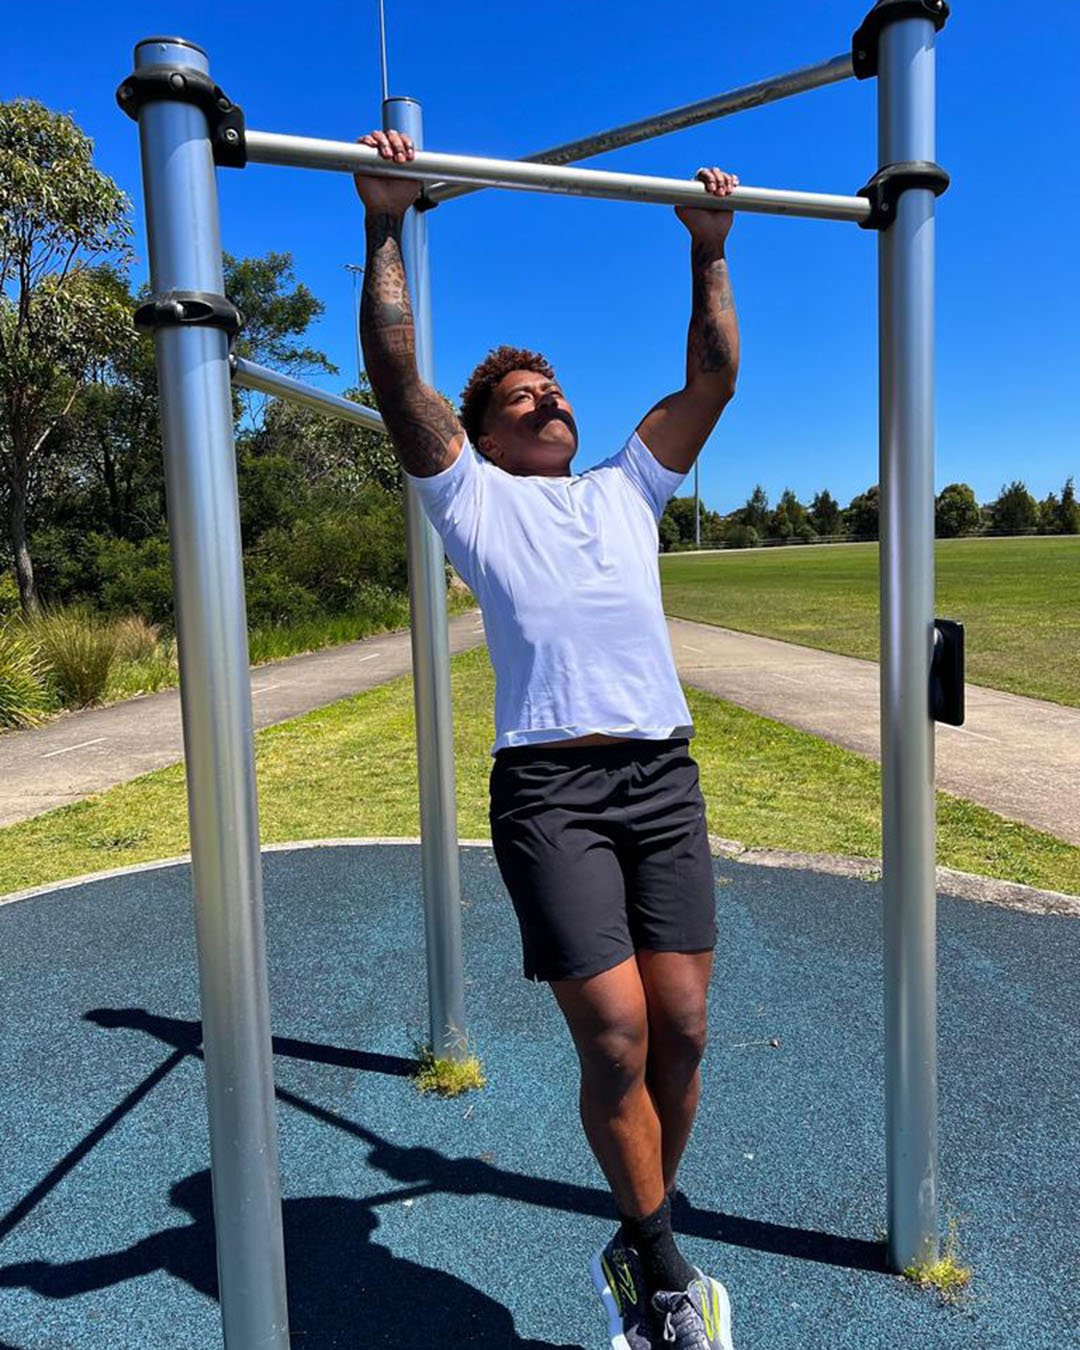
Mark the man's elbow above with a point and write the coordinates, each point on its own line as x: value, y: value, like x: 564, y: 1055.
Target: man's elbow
x: 717, y: 387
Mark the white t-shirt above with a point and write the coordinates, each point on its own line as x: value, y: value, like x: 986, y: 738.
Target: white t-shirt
x: 566, y: 574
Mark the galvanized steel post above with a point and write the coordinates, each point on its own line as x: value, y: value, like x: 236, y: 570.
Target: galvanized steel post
x: 906, y: 280
x: 204, y: 528
x: 431, y: 675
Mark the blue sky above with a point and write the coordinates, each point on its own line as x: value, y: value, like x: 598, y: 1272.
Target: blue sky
x: 602, y: 288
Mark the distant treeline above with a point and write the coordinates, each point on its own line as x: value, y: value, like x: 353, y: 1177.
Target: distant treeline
x: 956, y: 513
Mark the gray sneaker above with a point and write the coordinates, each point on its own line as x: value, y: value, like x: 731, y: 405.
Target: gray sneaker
x: 617, y: 1275
x: 695, y: 1318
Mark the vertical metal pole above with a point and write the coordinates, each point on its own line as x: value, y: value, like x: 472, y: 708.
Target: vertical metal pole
x: 906, y: 280
x: 204, y: 529
x: 697, y: 508
x: 431, y: 675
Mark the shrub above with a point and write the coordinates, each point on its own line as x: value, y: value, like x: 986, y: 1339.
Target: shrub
x: 78, y: 648
x: 136, y: 640
x: 273, y: 597
x: 742, y: 536
x: 10, y: 605
x: 135, y: 578
x: 24, y: 696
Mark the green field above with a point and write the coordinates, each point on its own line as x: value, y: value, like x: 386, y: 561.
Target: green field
x: 350, y: 770
x: 1019, y: 600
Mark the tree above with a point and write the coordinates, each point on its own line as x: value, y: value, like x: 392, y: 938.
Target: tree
x: 326, y: 451
x: 274, y: 319
x: 825, y: 514
x: 956, y: 511
x: 1015, y: 511
x: 1069, y: 509
x: 680, y: 510
x: 1050, y: 514
x: 789, y: 520
x: 862, y: 514
x: 60, y: 311
x: 756, y: 511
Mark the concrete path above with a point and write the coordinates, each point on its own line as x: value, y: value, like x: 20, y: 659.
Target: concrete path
x: 83, y: 752
x: 1017, y: 756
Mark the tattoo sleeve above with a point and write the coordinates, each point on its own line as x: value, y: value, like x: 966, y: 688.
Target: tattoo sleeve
x: 712, y: 347
x: 421, y: 424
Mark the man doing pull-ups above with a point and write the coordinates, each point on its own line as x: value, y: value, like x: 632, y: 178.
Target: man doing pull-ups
x: 597, y: 816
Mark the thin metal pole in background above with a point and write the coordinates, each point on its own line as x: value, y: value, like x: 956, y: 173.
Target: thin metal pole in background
x: 184, y: 242
x: 689, y: 115
x: 248, y: 375
x: 431, y: 674
x: 382, y: 53
x: 357, y: 272
x: 906, y: 321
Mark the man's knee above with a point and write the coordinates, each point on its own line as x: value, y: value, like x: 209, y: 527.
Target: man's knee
x: 613, y: 1059
x: 678, y: 1035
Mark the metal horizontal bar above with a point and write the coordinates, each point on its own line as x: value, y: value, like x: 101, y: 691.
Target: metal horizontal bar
x: 301, y: 152
x: 677, y: 119
x: 251, y: 376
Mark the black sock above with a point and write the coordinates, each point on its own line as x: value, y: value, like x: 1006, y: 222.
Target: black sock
x: 651, y: 1237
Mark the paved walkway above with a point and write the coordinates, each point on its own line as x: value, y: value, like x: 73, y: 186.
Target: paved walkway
x: 85, y: 752
x: 1017, y: 756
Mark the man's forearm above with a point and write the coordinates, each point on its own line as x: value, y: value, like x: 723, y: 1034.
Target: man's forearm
x: 421, y: 425
x: 386, y: 321
x: 712, y: 348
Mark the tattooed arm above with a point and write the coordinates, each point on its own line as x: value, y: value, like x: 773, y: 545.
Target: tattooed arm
x: 425, y: 432
x: 678, y: 426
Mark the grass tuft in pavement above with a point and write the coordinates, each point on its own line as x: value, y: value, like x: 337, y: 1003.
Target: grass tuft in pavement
x: 447, y: 1077
x: 946, y: 1276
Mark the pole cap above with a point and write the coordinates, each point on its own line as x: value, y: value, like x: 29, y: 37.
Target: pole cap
x: 864, y: 44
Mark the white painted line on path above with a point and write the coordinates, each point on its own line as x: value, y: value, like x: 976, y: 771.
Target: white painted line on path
x: 265, y: 688
x: 979, y: 736
x: 373, y: 657
x: 68, y: 748
x: 687, y: 648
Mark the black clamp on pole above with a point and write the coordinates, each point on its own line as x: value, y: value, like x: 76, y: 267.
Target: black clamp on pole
x: 947, y: 673
x: 884, y: 189
x: 864, y: 45
x: 190, y: 309
x: 225, y: 118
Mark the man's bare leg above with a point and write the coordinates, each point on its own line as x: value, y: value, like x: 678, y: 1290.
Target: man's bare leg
x: 608, y: 1019
x: 676, y: 987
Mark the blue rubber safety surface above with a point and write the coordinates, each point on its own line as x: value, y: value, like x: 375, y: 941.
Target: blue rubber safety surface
x: 415, y: 1222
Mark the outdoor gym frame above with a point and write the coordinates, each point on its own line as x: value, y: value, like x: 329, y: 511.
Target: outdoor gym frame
x: 187, y: 125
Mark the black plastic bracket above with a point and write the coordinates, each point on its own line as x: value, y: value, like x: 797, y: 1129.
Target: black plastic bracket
x: 225, y: 118
x: 864, y: 45
x: 198, y: 309
x: 884, y: 189
x: 947, y: 673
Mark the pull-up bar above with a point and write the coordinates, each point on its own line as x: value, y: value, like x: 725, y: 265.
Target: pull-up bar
x: 676, y: 119
x: 301, y: 152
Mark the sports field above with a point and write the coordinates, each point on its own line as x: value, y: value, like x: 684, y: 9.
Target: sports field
x: 1019, y: 600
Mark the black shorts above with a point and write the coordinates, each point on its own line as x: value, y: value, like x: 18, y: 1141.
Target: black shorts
x: 603, y: 849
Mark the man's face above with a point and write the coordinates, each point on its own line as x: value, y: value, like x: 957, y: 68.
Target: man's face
x: 529, y: 427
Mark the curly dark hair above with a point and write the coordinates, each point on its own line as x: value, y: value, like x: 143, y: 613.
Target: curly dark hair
x: 498, y: 363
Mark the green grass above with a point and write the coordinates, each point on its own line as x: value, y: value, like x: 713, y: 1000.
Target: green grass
x: 350, y: 769
x: 1019, y: 600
